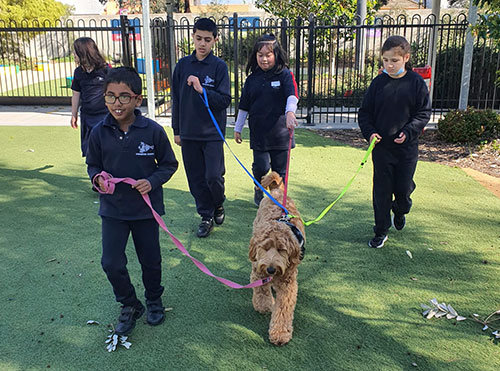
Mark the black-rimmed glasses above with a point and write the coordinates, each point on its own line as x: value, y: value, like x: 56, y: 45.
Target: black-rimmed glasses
x: 123, y: 99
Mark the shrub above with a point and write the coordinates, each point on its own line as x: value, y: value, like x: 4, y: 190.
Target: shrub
x: 470, y: 126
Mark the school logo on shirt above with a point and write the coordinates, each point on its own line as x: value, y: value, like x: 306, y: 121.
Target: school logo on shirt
x: 144, y: 149
x: 100, y: 78
x: 208, y: 82
x: 275, y: 84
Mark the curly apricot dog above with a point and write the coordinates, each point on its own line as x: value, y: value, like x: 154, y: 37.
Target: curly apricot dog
x: 275, y: 250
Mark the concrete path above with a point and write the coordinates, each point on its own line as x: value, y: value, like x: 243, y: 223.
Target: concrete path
x: 61, y: 116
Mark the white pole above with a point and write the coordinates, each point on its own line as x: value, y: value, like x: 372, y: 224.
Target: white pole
x: 467, y: 61
x: 431, y: 61
x: 148, y: 59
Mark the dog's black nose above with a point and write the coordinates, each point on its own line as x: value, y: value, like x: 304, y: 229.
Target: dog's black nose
x: 271, y: 270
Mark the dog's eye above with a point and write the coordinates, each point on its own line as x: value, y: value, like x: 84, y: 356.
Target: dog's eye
x: 281, y: 249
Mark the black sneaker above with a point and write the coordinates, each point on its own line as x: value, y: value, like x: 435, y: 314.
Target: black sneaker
x: 156, y: 312
x: 378, y: 241
x: 219, y: 215
x: 398, y: 221
x: 258, y: 195
x: 127, y: 318
x: 206, y: 226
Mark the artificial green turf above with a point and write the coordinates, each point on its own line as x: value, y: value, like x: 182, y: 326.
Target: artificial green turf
x: 358, y: 308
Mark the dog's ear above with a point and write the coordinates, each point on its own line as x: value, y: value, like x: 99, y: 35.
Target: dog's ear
x: 252, y: 250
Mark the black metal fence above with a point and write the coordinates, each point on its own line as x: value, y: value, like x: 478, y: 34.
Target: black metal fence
x: 333, y: 63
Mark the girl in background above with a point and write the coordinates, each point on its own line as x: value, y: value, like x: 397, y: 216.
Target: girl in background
x: 269, y: 99
x: 87, y: 86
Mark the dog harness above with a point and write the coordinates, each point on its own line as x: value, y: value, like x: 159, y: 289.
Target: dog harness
x: 297, y: 233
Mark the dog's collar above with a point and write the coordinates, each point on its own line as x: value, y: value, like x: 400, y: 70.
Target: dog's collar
x: 297, y: 233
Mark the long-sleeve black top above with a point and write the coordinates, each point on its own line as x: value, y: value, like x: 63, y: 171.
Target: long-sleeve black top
x: 190, y: 117
x: 144, y: 152
x: 392, y: 106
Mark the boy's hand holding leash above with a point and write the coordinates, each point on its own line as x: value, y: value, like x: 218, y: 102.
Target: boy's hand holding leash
x: 195, y: 83
x: 291, y: 120
x: 143, y: 186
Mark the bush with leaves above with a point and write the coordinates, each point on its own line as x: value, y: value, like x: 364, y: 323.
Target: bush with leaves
x: 471, y: 126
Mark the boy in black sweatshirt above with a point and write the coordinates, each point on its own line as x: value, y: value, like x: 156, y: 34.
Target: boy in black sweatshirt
x: 127, y: 144
x: 394, y: 112
x: 202, y: 146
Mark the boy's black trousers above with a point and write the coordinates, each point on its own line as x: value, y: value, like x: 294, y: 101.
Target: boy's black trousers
x: 272, y: 159
x: 204, y: 165
x: 145, y: 233
x: 393, y: 170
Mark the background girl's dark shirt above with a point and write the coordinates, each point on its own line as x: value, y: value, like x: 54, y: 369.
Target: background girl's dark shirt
x: 91, y: 88
x: 392, y: 106
x: 264, y: 97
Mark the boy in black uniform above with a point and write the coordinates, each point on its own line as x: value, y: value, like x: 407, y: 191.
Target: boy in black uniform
x: 202, y: 146
x: 127, y: 144
x: 395, y: 110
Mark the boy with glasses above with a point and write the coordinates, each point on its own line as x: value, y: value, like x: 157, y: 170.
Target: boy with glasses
x: 126, y: 144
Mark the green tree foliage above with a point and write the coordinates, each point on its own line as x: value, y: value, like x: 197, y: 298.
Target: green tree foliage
x: 322, y: 9
x: 135, y: 6
x: 489, y: 23
x: 19, y: 10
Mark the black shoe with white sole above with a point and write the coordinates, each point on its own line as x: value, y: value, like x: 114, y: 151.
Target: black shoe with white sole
x: 378, y: 241
x: 398, y: 221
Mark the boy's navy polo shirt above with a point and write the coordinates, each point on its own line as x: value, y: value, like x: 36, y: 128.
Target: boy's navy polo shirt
x: 190, y: 117
x: 91, y: 88
x: 144, y: 152
x: 264, y: 97
x: 392, y: 106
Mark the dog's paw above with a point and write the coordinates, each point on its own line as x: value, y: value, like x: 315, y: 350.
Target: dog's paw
x: 280, y: 337
x: 263, y: 304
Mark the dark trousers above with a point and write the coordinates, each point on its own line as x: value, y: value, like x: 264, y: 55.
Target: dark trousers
x: 274, y: 159
x: 87, y: 122
x: 145, y: 234
x: 393, y: 171
x: 204, y: 165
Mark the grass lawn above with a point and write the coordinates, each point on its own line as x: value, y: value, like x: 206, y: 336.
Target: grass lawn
x: 49, y: 88
x: 358, y: 308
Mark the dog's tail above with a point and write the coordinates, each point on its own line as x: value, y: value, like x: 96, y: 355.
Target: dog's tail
x: 272, y: 181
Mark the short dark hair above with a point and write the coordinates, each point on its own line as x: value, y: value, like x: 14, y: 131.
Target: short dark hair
x: 126, y: 75
x: 205, y: 24
x: 396, y: 41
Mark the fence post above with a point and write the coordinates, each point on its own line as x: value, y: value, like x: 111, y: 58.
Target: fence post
x: 284, y: 38
x: 298, y: 32
x: 467, y: 63
x: 170, y: 44
x: 310, y: 65
x: 236, y: 63
x: 124, y: 25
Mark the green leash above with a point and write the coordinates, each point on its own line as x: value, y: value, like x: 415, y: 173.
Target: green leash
x: 327, y: 209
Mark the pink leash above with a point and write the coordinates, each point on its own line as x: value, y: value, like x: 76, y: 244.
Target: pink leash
x: 290, y: 132
x: 109, y: 185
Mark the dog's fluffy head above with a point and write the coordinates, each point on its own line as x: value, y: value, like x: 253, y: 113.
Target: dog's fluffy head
x: 275, y: 249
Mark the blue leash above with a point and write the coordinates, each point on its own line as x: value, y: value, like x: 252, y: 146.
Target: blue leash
x: 205, y: 102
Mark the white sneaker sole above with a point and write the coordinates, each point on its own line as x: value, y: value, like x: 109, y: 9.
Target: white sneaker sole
x: 378, y: 247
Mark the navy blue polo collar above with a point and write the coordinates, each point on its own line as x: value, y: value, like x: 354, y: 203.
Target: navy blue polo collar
x: 139, y: 121
x: 207, y: 59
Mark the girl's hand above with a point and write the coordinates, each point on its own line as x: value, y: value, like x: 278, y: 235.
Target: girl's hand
x: 177, y: 139
x: 74, y: 122
x: 143, y: 186
x: 375, y: 135
x: 237, y: 137
x: 291, y: 120
x: 195, y: 83
x: 400, y: 139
